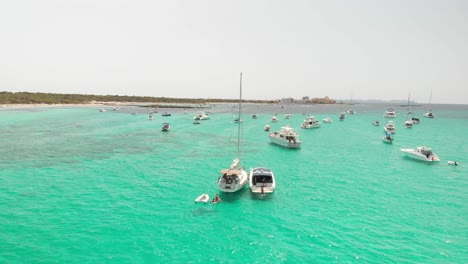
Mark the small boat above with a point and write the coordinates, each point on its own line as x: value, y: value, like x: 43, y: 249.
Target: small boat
x: 166, y: 127
x: 166, y: 114
x: 429, y: 114
x: 409, y: 124
x: 254, y: 116
x: 342, y: 116
x: 267, y: 128
x: 351, y: 112
x: 286, y: 137
x: 310, y: 122
x: 102, y: 110
x: 376, y: 123
x: 262, y: 180
x: 237, y: 120
x: 201, y: 116
x: 204, y: 198
x: 451, y: 162
x: 116, y: 108
x: 216, y: 199
x: 274, y: 118
x: 287, y: 116
x: 388, y: 138
x: 390, y: 127
x: 150, y: 116
x: 421, y: 153
x: 415, y: 120
x: 196, y: 122
x: 327, y: 120
x: 390, y: 113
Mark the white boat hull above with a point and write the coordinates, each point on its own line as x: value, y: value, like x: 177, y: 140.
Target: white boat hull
x: 233, y: 184
x: 261, y: 180
x: 413, y: 153
x: 276, y: 139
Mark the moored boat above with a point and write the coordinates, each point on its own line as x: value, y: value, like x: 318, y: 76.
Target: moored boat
x: 286, y: 137
x: 262, y: 180
x: 421, y: 153
x: 310, y: 122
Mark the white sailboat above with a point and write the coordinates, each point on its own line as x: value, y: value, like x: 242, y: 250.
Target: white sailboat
x: 429, y: 113
x: 409, y: 122
x: 235, y: 177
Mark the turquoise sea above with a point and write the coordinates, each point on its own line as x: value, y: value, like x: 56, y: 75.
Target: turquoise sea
x: 81, y: 186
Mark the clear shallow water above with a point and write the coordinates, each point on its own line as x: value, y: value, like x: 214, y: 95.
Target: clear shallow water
x: 79, y: 186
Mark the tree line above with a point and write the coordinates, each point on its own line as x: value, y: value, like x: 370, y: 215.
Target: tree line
x: 52, y: 98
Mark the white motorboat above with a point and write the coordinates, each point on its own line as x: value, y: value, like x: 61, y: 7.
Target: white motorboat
x: 267, y: 128
x: 102, y: 110
x: 390, y: 113
x: 234, y: 178
x: 310, y: 122
x: 421, y: 153
x: 390, y: 127
x: 415, y: 120
x: 287, y: 116
x: 342, y: 116
x: 262, y: 180
x: 201, y: 116
x: 274, y: 118
x: 351, y: 112
x: 150, y: 116
x: 286, y: 137
x: 166, y: 127
x: 409, y: 123
x: 327, y: 120
x: 429, y: 114
x: 388, y: 138
x: 376, y: 123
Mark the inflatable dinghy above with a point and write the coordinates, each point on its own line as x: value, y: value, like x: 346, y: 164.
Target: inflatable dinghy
x: 451, y: 162
x: 204, y: 198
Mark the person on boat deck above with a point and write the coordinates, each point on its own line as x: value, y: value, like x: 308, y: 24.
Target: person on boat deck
x: 216, y: 199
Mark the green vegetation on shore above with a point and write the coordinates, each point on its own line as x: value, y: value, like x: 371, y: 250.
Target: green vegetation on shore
x: 51, y: 98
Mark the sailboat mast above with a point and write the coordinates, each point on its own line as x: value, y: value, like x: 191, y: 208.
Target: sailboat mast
x: 240, y: 118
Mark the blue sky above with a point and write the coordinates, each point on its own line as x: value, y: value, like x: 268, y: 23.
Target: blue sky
x: 196, y: 49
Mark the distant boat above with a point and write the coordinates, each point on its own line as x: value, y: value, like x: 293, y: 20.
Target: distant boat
x: 166, y: 127
x: 429, y: 113
x: 274, y: 118
x: 388, y: 138
x: 102, y: 110
x: 376, y: 123
x: 166, y: 114
x: 262, y: 180
x: 267, y: 128
x: 201, y: 116
x: 310, y: 122
x: 327, y: 120
x: 254, y: 116
x: 390, y: 113
x: 390, y: 127
x: 351, y: 112
x: 287, y: 116
x: 342, y: 116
